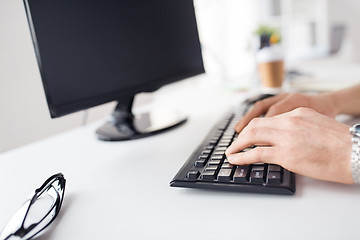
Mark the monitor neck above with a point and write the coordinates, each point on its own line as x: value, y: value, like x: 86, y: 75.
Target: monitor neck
x: 123, y: 111
x: 123, y: 125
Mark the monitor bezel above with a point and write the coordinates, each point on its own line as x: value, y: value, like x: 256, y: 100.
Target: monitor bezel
x: 118, y: 95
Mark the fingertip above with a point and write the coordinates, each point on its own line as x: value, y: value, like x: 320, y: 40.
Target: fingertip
x: 237, y: 127
x: 229, y: 150
x: 231, y: 158
x: 237, y: 159
x: 256, y: 155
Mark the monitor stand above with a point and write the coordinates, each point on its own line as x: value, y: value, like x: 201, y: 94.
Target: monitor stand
x: 124, y: 125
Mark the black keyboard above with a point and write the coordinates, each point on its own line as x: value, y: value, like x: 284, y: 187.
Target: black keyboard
x: 208, y: 167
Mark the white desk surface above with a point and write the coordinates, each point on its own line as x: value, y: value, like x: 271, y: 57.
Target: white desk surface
x: 120, y: 190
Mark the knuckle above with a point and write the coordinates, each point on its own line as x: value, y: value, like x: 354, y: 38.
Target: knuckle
x: 300, y: 111
x: 259, y: 154
x: 295, y: 95
x: 254, y: 122
x: 253, y: 132
x: 298, y: 99
x: 274, y: 109
x: 295, y: 120
x: 266, y: 155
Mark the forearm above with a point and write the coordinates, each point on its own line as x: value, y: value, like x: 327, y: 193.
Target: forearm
x: 346, y: 101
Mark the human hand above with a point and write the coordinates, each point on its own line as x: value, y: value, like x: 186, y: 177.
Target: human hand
x: 302, y: 141
x: 285, y: 102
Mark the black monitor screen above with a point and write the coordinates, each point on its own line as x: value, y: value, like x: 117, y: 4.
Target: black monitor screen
x: 95, y: 51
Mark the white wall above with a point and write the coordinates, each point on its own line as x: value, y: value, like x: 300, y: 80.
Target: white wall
x: 347, y: 12
x: 24, y: 116
x: 226, y: 27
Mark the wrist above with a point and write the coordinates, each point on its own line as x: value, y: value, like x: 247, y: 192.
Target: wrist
x: 333, y: 102
x: 339, y: 99
x: 345, y: 101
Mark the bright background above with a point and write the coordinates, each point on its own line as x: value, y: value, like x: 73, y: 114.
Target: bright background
x: 309, y: 29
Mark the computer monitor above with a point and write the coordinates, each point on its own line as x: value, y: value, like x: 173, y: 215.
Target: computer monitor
x: 92, y: 52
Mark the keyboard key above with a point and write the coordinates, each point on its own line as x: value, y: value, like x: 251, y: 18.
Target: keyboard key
x: 258, y: 167
x: 193, y: 174
x: 217, y: 157
x: 227, y: 165
x: 212, y: 168
x: 226, y: 141
x: 227, y: 137
x: 221, y: 153
x: 204, y: 156
x: 220, y: 148
x: 230, y: 132
x: 200, y: 163
x: 225, y: 175
x: 274, y: 178
x: 217, y: 137
x: 205, y: 152
x: 214, y: 162
x: 224, y: 144
x: 213, y: 141
x: 208, y: 175
x: 274, y: 168
x: 223, y: 126
x: 240, y: 174
x: 257, y: 177
x: 209, y: 147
